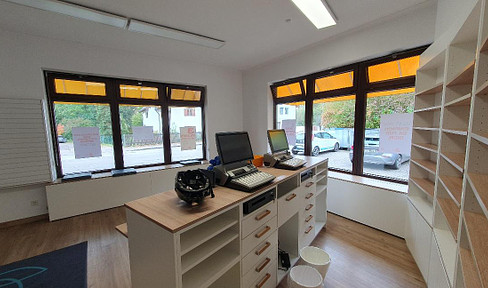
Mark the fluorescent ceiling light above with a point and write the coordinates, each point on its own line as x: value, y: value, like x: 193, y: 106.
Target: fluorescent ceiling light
x: 166, y: 32
x: 317, y: 12
x: 75, y: 11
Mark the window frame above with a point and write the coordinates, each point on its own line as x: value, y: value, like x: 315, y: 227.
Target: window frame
x: 113, y: 98
x: 361, y: 87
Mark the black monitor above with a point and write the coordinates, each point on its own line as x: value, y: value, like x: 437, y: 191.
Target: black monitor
x: 233, y: 147
x: 277, y: 140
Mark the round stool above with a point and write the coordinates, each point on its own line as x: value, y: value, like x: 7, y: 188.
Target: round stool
x: 302, y: 276
x: 316, y: 258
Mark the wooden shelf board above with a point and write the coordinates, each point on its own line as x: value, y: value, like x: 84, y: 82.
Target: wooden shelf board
x: 433, y: 108
x: 426, y: 146
x: 451, y: 212
x: 461, y: 101
x: 423, y: 207
x: 481, y: 137
x: 480, y: 186
x: 483, y: 89
x: 122, y: 228
x: 207, y: 272
x: 202, y: 233
x: 424, y: 184
x: 455, y: 159
x: 319, y: 189
x: 321, y: 171
x: 477, y: 226
x: 426, y: 128
x: 484, y: 45
x: 454, y: 185
x: 464, y: 77
x: 470, y: 274
x: 426, y: 164
x: 433, y: 90
x: 320, y: 177
x: 447, y: 247
x: 456, y: 132
x: 196, y: 256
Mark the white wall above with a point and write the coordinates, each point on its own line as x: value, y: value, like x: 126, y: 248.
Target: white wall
x: 400, y: 32
x: 22, y: 58
x: 451, y: 13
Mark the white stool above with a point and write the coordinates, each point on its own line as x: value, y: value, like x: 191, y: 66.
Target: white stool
x: 302, y: 276
x: 316, y: 258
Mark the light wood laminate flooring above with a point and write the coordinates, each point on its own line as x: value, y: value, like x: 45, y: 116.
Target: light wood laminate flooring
x: 361, y: 256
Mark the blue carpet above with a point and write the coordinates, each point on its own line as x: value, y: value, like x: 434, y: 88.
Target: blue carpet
x: 58, y: 269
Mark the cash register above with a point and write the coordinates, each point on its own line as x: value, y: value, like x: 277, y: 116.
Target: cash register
x: 237, y: 170
x: 280, y: 156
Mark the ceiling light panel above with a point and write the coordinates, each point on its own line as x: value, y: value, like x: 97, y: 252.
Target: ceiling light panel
x: 317, y: 12
x: 152, y: 29
x: 75, y: 11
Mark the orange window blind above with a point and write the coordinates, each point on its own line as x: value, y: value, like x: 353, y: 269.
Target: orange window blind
x: 64, y: 86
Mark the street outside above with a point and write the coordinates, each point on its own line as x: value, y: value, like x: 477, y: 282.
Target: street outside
x: 133, y: 156
x: 340, y: 160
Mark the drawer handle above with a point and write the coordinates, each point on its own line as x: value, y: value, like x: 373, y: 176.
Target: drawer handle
x: 265, y: 230
x: 309, y: 195
x: 309, y: 206
x: 261, y: 251
x: 289, y: 198
x: 309, y: 218
x: 266, y: 277
x: 309, y: 184
x: 264, y: 214
x: 266, y: 262
x: 308, y: 230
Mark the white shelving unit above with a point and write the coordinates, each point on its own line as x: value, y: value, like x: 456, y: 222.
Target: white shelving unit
x: 454, y: 74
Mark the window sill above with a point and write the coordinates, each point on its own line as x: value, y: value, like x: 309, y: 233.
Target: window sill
x: 382, y: 184
x: 138, y: 170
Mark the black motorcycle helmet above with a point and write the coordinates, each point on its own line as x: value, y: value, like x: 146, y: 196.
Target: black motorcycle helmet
x: 193, y: 186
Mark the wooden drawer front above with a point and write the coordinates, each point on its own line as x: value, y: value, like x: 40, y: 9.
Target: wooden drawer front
x: 258, y: 236
x: 265, y: 279
x: 309, y: 198
x: 288, y: 205
x: 308, y: 185
x: 308, y: 207
x: 308, y: 219
x: 259, y: 252
x: 258, y: 270
x: 258, y: 218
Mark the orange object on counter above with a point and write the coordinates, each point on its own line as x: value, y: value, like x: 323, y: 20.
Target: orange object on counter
x: 258, y: 160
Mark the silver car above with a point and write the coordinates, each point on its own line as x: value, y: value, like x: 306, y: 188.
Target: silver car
x: 321, y: 141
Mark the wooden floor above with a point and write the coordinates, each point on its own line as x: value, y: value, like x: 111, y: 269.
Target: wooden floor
x: 361, y: 256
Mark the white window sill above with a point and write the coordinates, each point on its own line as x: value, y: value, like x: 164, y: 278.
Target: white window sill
x: 382, y: 184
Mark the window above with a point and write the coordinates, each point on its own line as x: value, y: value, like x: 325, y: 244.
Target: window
x: 293, y: 123
x: 336, y: 101
x: 134, y: 124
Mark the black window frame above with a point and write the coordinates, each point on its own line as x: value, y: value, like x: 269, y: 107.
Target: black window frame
x: 360, y: 88
x: 113, y: 98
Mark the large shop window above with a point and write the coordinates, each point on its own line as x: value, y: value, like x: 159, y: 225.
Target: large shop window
x: 329, y: 120
x: 100, y: 124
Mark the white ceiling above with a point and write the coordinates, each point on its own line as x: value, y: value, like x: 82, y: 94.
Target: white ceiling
x: 255, y: 31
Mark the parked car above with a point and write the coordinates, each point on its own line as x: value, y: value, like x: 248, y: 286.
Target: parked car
x: 372, y: 155
x: 321, y: 141
x: 61, y: 139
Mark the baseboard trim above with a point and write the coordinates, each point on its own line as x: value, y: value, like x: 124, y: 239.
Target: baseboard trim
x: 24, y: 221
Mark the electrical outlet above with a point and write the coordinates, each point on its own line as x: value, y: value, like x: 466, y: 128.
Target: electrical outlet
x: 34, y: 203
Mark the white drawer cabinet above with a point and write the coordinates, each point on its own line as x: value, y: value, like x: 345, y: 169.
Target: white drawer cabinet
x: 259, y: 252
x: 252, y: 221
x: 258, y: 236
x: 288, y: 205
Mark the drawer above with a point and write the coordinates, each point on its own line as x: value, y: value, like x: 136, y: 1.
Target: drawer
x: 258, y: 218
x: 259, y: 252
x: 309, y: 197
x: 308, y: 185
x: 307, y: 219
x: 259, y: 268
x: 258, y: 236
x: 308, y: 207
x: 307, y: 235
x: 288, y: 205
x: 267, y: 279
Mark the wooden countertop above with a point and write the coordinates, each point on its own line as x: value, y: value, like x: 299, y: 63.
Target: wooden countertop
x: 169, y: 212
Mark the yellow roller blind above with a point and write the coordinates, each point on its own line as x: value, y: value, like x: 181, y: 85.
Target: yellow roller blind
x: 64, y: 86
x: 339, y: 81
x: 185, y: 95
x: 393, y: 69
x: 138, y: 92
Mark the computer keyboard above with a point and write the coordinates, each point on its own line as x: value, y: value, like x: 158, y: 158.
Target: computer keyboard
x: 251, y: 181
x: 293, y: 163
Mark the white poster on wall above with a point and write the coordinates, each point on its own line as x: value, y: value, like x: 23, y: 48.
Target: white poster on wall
x: 142, y: 133
x: 86, y: 142
x: 290, y: 127
x: 188, y: 138
x: 396, y: 133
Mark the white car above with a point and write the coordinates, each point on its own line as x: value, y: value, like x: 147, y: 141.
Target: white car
x: 321, y: 141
